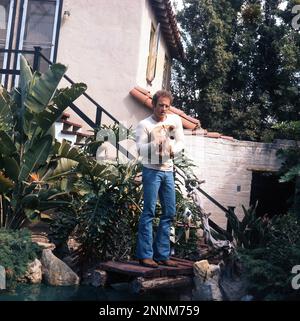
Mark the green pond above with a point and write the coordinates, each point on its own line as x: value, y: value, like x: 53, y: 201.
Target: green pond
x: 119, y: 292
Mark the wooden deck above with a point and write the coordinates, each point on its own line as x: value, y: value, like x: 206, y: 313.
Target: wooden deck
x: 134, y: 269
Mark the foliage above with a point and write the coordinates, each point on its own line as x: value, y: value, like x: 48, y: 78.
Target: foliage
x: 28, y: 152
x: 112, y: 133
x: 240, y: 75
x: 251, y: 231
x: 62, y: 224
x: 268, y: 268
x: 105, y: 217
x: 186, y: 227
x: 288, y: 130
x: 187, y: 248
x: 290, y: 168
x: 16, y: 251
x: 109, y: 218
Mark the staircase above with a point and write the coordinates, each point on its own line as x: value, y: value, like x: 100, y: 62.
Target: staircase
x: 70, y: 131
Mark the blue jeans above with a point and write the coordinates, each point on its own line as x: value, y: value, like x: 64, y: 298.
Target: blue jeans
x: 156, y: 183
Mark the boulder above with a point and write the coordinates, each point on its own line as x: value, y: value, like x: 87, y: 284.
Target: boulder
x: 95, y: 277
x: 56, y: 272
x: 47, y: 246
x: 33, y: 274
x: 233, y: 288
x: 42, y: 240
x: 206, y: 282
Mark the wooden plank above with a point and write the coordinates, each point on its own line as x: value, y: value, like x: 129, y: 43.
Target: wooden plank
x: 182, y: 261
x: 172, y: 271
x: 130, y: 268
x: 141, y: 285
x: 133, y: 268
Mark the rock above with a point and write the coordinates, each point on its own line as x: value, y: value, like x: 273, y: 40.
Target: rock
x: 99, y: 278
x: 234, y: 289
x: 56, y: 272
x: 95, y: 277
x: 33, y: 274
x: 2, y: 278
x: 42, y: 240
x: 233, y: 283
x: 46, y: 246
x: 201, y: 269
x: 39, y: 237
x: 73, y: 245
x: 206, y: 282
x: 70, y: 260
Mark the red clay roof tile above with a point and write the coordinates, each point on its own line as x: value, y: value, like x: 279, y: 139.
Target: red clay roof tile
x: 166, y: 17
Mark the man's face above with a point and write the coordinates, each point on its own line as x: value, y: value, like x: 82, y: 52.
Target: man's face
x: 161, y: 108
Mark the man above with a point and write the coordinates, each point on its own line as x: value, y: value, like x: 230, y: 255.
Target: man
x: 159, y: 137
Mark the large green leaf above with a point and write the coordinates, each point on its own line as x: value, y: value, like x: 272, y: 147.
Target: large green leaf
x: 47, y: 205
x: 7, y: 146
x: 6, y: 119
x: 87, y: 165
x: 5, y: 183
x: 11, y: 167
x: 65, y: 150
x: 35, y: 156
x: 25, y: 79
x: 46, y: 118
x: 102, y: 170
x: 31, y: 201
x: 43, y: 87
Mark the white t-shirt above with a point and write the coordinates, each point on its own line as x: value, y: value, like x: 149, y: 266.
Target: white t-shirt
x: 171, y: 130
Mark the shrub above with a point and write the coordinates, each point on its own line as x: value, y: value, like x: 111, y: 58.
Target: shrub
x: 269, y: 268
x: 16, y: 251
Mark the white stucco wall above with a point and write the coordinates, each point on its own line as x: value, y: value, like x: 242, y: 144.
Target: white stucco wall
x: 105, y: 45
x: 225, y: 165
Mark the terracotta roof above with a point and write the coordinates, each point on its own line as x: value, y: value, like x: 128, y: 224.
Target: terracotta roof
x: 165, y: 16
x: 188, y: 122
x: 145, y: 98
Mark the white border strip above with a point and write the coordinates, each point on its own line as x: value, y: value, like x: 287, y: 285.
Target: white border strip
x: 8, y: 32
x: 54, y: 30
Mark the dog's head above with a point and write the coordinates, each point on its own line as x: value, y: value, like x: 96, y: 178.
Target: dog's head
x: 163, y: 131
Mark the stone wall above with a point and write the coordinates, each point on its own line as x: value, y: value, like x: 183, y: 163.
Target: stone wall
x: 227, y: 166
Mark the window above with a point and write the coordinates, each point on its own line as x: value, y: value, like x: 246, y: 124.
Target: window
x: 39, y: 28
x: 27, y: 23
x: 153, y: 49
x: 2, y: 16
x: 166, y: 74
x: 4, y: 7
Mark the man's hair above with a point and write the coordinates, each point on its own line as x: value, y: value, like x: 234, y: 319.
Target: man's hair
x: 161, y: 93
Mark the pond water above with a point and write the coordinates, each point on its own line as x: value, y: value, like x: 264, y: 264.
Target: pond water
x: 119, y: 292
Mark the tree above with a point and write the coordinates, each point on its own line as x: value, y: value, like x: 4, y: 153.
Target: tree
x: 290, y: 169
x: 240, y: 75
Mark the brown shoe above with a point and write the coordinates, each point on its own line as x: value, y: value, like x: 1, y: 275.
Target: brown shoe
x: 168, y: 263
x: 148, y: 263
